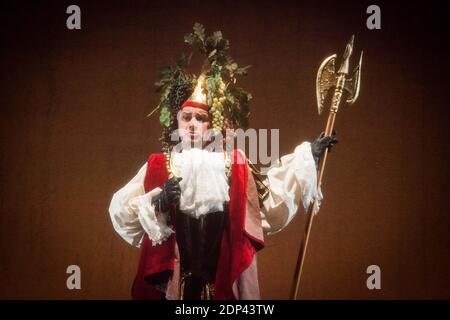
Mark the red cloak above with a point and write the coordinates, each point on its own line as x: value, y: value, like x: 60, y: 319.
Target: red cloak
x: 236, y: 275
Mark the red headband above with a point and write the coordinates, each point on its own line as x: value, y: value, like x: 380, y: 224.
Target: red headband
x: 195, y: 104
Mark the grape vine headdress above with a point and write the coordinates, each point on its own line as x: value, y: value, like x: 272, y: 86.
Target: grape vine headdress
x: 215, y: 89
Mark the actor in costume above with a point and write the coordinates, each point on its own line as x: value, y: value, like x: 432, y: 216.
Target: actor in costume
x: 199, y: 215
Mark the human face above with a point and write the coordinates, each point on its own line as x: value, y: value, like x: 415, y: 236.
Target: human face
x: 194, y: 122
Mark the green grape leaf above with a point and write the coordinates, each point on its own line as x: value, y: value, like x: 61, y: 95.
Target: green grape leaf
x: 199, y: 31
x: 164, y: 117
x: 242, y: 71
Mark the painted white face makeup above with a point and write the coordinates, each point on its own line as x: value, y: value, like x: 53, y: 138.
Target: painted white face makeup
x: 193, y: 123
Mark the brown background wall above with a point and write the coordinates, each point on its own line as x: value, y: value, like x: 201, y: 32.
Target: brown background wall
x: 73, y: 131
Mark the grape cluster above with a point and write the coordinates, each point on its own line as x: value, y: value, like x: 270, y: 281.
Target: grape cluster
x: 217, y: 106
x: 180, y: 90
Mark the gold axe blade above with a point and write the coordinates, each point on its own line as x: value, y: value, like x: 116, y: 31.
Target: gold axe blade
x: 327, y: 77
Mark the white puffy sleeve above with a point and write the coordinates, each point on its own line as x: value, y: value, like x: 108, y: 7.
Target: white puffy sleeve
x: 290, y: 180
x: 132, y: 212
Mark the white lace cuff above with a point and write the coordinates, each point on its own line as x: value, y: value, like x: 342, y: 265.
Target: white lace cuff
x: 305, y: 171
x: 153, y: 223
x: 293, y: 179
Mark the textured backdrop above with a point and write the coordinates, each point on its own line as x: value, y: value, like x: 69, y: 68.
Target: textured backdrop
x: 73, y: 130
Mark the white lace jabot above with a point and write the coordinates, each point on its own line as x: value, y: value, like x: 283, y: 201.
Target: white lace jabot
x: 204, y: 185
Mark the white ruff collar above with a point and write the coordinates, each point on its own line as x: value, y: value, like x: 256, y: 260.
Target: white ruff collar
x: 204, y: 186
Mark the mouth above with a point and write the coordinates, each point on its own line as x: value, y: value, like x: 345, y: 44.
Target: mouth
x: 194, y: 136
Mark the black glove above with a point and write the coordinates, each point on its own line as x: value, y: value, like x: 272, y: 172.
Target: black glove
x: 170, y: 194
x: 320, y: 144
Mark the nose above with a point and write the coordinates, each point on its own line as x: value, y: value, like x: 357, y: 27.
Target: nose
x: 194, y: 123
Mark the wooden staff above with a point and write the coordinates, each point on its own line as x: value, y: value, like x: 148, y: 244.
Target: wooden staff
x: 328, y: 79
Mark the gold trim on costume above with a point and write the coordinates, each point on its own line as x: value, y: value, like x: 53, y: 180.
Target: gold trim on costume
x: 174, y: 173
x: 260, y: 181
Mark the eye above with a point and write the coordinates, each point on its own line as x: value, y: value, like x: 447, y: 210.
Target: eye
x: 186, y: 116
x: 202, y: 117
